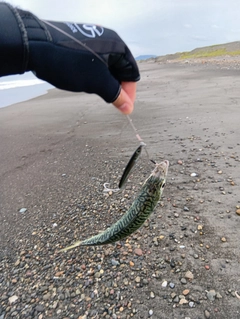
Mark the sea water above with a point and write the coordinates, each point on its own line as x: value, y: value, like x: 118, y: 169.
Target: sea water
x: 19, y: 88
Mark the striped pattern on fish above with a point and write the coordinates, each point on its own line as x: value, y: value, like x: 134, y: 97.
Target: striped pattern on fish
x: 137, y: 214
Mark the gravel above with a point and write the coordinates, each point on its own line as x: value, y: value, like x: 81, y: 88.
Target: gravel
x: 159, y: 271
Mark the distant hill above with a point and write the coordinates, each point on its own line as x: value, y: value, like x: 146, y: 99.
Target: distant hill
x: 145, y: 57
x: 218, y: 50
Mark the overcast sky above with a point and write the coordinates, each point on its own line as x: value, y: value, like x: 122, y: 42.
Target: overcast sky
x: 150, y: 26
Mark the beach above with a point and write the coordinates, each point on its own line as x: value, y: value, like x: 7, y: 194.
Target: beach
x: 56, y: 152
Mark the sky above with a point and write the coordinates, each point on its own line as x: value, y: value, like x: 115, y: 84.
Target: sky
x: 155, y: 27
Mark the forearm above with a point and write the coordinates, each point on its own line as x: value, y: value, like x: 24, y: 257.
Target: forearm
x: 14, y: 49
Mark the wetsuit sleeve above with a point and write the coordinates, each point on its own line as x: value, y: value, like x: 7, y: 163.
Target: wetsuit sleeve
x: 73, y: 57
x: 13, y: 41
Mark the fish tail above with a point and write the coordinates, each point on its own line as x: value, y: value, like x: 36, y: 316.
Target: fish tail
x: 78, y: 243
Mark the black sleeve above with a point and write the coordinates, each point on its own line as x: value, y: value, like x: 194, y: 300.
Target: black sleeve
x: 71, y: 56
x: 13, y: 41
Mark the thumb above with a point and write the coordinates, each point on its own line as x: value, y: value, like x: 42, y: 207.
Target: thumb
x: 126, y: 98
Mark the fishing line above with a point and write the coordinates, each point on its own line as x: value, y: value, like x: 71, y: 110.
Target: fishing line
x: 136, y: 154
x: 139, y: 138
x: 102, y: 60
x: 78, y: 41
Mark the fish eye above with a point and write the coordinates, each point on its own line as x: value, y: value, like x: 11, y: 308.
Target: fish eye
x: 163, y: 185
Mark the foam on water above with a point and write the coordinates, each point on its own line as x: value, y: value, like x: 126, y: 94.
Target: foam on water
x: 19, y: 88
x: 19, y: 83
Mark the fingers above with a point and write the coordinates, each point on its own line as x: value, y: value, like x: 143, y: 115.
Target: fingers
x: 126, y: 98
x: 130, y: 89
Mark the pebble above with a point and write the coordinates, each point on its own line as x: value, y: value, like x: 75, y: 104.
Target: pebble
x: 4, y: 297
x: 14, y: 314
x: 137, y: 279
x: 238, y: 212
x: 185, y: 292
x: 97, y: 274
x: 138, y: 252
x: 152, y: 295
x: 22, y: 210
x: 173, y: 295
x: 171, y: 285
x: 183, y: 301
x: 115, y: 262
x: 12, y: 299
x: 17, y: 263
x: 55, y: 304
x: 58, y: 274
x: 176, y: 299
x: 39, y: 308
x: 218, y: 295
x: 125, y: 281
x: 191, y: 304
x: 223, y: 239
x: 183, y: 281
x: 150, y: 312
x: 46, y: 296
x: 189, y: 275
x: 207, y: 314
x: 164, y: 284
x: 211, y: 294
x: 194, y: 174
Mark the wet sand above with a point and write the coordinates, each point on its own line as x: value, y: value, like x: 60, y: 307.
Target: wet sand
x: 56, y: 147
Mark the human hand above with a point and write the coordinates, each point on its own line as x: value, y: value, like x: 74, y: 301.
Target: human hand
x: 125, y: 101
x: 82, y: 58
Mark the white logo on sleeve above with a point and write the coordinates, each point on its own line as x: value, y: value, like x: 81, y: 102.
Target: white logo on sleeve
x: 89, y: 30
x: 72, y: 27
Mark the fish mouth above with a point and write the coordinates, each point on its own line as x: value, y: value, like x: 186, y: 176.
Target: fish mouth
x: 161, y: 169
x: 167, y: 163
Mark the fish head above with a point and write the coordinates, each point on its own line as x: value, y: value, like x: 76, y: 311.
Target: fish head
x: 161, y: 169
x: 159, y: 175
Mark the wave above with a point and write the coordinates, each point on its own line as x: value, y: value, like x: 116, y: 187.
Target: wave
x: 5, y: 85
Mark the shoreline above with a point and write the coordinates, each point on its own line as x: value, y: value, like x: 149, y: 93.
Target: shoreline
x: 22, y: 94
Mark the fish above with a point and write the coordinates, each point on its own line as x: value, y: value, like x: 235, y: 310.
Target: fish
x: 138, y: 213
x: 130, y: 165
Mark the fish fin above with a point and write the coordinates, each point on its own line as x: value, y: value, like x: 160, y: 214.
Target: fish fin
x: 78, y: 243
